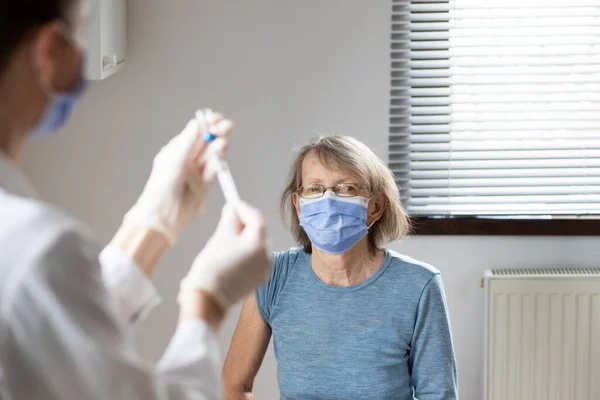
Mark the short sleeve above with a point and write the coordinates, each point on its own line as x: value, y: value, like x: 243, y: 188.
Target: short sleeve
x: 266, y: 295
x: 432, y: 359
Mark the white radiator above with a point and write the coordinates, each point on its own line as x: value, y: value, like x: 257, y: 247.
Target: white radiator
x: 542, y: 339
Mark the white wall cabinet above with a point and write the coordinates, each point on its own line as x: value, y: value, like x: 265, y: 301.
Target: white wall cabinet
x: 107, y: 51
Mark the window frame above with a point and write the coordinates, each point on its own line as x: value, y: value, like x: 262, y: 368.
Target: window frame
x: 476, y: 226
x: 501, y: 225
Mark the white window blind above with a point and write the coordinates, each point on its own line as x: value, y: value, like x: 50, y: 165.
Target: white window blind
x: 496, y: 107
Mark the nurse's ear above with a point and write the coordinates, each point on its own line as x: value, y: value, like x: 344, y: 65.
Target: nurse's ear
x: 47, y: 50
x: 376, y: 208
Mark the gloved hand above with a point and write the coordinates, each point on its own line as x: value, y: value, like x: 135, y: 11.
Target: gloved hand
x: 235, y: 261
x: 180, y: 177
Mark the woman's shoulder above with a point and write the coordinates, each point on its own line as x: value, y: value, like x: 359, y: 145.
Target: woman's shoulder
x: 290, y: 255
x: 283, y: 264
x: 37, y: 221
x: 40, y: 237
x: 406, y: 265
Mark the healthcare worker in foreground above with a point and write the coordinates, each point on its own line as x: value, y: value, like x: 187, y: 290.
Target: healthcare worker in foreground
x: 66, y: 308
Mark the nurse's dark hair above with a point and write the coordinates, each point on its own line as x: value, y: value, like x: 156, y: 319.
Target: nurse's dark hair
x: 20, y: 18
x: 351, y: 156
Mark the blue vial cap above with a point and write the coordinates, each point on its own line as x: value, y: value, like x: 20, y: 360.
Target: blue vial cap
x: 209, y: 137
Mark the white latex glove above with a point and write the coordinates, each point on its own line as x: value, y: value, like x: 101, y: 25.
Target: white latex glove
x: 180, y: 178
x: 235, y: 261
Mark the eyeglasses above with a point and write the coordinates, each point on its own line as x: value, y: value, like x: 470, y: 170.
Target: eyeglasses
x: 315, y: 190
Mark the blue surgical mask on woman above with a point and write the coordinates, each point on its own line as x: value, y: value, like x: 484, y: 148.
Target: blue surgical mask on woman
x: 59, y: 109
x: 60, y: 105
x: 334, y: 224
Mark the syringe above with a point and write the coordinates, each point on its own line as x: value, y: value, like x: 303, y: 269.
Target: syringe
x: 223, y: 174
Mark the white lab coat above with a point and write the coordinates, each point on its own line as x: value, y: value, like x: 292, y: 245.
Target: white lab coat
x: 66, y: 314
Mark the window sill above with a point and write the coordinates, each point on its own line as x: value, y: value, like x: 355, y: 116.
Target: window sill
x: 506, y: 227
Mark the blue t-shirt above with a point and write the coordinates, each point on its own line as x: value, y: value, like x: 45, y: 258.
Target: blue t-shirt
x: 387, y: 337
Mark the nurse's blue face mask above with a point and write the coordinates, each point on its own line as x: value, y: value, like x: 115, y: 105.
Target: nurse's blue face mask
x: 60, y: 105
x: 334, y: 224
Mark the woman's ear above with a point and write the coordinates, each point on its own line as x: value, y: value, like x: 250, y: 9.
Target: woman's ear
x: 296, y: 201
x: 376, y: 208
x: 45, y: 52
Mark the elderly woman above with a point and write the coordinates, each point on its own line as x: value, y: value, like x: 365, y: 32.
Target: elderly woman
x: 350, y: 319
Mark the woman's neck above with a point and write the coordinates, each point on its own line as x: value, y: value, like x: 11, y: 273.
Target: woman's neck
x: 12, y: 138
x: 349, y: 268
x: 20, y: 104
x: 11, y: 144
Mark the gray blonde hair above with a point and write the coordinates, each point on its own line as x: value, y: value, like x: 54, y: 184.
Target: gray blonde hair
x: 348, y: 154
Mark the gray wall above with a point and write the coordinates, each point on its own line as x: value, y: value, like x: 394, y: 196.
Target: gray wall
x: 282, y: 69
